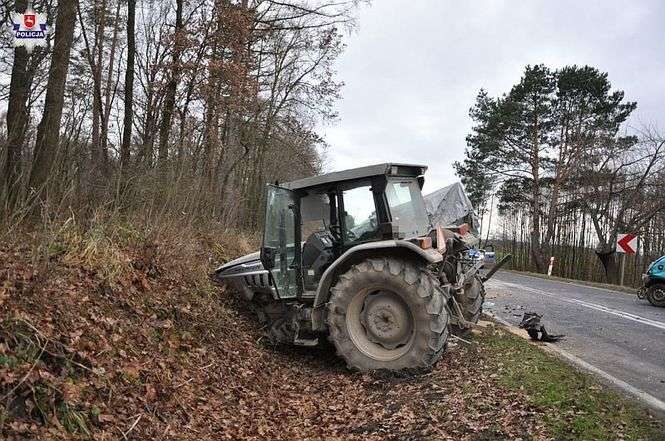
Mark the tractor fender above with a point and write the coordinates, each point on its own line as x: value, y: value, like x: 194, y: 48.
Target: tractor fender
x: 359, y: 252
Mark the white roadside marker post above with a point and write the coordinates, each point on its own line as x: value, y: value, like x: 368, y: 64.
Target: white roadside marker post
x: 549, y: 269
x: 623, y: 267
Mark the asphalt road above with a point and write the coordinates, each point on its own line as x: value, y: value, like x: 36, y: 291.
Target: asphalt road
x: 611, y: 330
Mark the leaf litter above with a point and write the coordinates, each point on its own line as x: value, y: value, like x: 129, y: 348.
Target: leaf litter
x: 158, y: 354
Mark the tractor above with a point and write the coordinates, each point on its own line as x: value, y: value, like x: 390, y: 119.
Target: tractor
x: 351, y: 256
x: 653, y: 283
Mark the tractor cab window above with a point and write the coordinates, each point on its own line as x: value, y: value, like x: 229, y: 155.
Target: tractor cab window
x: 280, y: 228
x: 314, y: 214
x: 359, y: 215
x: 279, y: 235
x: 407, y: 208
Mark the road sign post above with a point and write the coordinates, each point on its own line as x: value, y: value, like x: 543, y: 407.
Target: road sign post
x: 626, y: 244
x: 623, y: 267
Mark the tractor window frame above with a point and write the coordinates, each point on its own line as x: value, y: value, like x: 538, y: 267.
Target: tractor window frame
x: 341, y: 210
x: 294, y: 264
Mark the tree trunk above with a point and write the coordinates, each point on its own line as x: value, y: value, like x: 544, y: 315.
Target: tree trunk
x: 125, y: 151
x: 147, y: 147
x: 535, y: 236
x: 96, y: 67
x: 109, y: 93
x: 48, y: 130
x: 171, y: 89
x: 609, y: 259
x: 17, y: 118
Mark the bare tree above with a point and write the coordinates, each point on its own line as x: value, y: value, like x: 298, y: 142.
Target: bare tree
x: 49, y: 127
x: 620, y: 190
x: 236, y: 97
x: 171, y: 87
x: 125, y: 149
x: 17, y: 116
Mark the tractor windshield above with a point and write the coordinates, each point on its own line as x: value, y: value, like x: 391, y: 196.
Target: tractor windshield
x: 407, y: 208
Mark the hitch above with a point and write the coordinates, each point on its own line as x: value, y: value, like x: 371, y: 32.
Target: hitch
x: 497, y: 267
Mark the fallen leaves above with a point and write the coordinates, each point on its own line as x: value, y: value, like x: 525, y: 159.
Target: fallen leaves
x: 174, y: 359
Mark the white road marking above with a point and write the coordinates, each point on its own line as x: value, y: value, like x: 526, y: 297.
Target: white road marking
x: 573, y: 283
x: 647, y: 398
x: 597, y: 307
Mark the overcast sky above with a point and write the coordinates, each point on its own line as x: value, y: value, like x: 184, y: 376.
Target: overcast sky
x: 413, y: 68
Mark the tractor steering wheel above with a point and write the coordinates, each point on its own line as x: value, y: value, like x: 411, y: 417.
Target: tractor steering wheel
x: 336, y: 232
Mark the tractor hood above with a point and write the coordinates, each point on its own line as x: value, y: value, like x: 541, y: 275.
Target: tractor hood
x: 241, y: 265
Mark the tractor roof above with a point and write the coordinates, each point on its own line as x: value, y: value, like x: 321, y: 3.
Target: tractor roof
x: 387, y: 169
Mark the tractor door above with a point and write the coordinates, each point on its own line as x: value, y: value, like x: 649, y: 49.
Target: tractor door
x: 281, y: 250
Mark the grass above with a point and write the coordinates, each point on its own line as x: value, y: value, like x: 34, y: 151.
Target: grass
x: 73, y: 420
x: 573, y: 405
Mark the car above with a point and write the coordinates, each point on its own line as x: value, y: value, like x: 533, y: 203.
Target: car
x: 653, y: 283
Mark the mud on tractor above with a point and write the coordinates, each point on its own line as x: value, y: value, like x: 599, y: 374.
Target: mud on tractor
x: 351, y: 255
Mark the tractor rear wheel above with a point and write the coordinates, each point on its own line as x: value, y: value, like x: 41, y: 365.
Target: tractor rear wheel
x: 470, y: 301
x: 656, y: 294
x: 386, y: 313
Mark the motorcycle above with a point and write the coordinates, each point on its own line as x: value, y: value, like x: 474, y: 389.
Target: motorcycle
x: 653, y: 283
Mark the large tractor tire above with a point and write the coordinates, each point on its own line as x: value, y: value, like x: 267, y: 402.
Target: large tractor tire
x: 470, y: 301
x: 386, y: 313
x: 656, y: 294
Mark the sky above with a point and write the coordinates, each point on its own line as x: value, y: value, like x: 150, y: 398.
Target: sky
x: 412, y: 70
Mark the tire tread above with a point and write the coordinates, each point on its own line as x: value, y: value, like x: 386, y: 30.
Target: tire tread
x: 429, y: 344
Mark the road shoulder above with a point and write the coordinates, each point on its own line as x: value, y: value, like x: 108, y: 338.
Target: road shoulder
x: 632, y: 396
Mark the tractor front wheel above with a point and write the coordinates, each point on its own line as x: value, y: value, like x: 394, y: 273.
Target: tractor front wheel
x: 470, y: 301
x: 386, y: 313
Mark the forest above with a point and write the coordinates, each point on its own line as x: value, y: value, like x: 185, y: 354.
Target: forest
x: 569, y: 171
x: 155, y: 108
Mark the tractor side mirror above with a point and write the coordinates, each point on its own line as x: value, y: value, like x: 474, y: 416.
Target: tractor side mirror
x: 268, y: 255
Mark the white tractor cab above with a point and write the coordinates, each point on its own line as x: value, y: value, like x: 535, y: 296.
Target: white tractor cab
x: 350, y: 255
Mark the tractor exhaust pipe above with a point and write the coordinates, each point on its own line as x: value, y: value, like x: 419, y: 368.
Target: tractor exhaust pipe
x: 497, y: 267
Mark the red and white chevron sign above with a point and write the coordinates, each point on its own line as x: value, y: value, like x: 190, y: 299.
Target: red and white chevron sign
x: 627, y: 243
